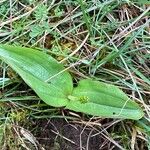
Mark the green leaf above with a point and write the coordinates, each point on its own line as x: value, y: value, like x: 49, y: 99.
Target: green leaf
x: 36, y: 30
x: 58, y: 12
x: 35, y: 68
x: 143, y: 125
x: 143, y: 1
x: 54, y: 86
x: 100, y: 99
x: 41, y: 12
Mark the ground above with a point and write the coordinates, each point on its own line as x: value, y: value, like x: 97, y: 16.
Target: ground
x: 106, y: 40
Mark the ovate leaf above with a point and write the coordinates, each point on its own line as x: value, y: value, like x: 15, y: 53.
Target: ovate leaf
x: 100, y: 99
x: 36, y: 68
x: 54, y: 86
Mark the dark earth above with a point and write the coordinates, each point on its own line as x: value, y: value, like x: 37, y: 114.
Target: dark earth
x: 58, y: 134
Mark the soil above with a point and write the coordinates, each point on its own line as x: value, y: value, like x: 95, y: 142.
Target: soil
x: 58, y: 134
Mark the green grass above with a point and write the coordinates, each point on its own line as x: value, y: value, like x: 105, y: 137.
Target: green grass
x: 104, y: 40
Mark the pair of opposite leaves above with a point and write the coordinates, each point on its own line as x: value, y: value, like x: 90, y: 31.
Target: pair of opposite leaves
x: 90, y: 97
